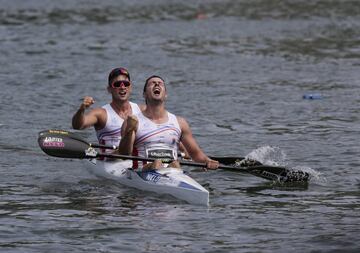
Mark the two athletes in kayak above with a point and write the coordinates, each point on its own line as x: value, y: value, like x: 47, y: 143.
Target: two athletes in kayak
x: 148, y: 130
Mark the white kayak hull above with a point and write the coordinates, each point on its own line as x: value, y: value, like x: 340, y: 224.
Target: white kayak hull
x: 170, y: 181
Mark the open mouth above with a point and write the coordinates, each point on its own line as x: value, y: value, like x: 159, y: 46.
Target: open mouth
x: 157, y: 91
x: 122, y: 93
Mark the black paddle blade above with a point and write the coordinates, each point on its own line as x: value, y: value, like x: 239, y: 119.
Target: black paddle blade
x: 274, y: 173
x: 61, y: 143
x: 280, y: 174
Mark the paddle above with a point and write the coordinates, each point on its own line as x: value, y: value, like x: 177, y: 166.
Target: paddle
x: 64, y: 144
x: 228, y: 160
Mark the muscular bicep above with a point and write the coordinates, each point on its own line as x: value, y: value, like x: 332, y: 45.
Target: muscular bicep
x: 96, y: 118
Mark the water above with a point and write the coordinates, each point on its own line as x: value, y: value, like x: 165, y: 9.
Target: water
x: 237, y: 71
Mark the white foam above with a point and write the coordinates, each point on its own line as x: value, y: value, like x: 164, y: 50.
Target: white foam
x: 269, y: 155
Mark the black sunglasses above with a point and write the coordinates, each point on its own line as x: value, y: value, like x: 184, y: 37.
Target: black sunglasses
x: 118, y: 84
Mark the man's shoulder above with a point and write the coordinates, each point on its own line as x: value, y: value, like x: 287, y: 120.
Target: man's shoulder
x: 98, y: 111
x: 141, y: 107
x: 179, y: 118
x: 136, y: 108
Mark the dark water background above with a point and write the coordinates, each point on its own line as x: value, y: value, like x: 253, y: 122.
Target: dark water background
x: 237, y: 70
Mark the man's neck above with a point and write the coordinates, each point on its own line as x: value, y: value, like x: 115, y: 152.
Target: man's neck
x: 122, y: 108
x: 156, y: 113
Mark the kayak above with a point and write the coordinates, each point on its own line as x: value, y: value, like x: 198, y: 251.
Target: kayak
x: 168, y: 181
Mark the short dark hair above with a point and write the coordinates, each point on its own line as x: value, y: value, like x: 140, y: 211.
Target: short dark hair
x: 147, y: 80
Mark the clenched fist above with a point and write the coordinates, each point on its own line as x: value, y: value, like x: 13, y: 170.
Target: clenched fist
x: 87, y: 102
x: 131, y: 123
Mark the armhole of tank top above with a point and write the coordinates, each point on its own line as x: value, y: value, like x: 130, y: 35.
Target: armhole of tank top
x: 172, y: 117
x: 178, y: 125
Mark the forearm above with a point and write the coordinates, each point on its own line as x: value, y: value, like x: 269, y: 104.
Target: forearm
x: 200, y: 157
x: 126, y: 143
x: 78, y: 119
x: 128, y: 134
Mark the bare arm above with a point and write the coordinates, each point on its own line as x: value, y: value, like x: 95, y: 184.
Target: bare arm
x: 128, y: 132
x: 192, y: 147
x: 95, y: 117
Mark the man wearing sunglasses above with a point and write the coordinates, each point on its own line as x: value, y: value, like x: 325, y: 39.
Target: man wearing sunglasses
x: 107, y: 120
x: 156, y: 133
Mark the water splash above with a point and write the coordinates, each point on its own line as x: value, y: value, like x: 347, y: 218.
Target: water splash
x: 269, y: 155
x: 274, y: 156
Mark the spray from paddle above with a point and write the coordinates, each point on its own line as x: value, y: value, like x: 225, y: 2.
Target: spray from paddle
x: 274, y: 156
x: 269, y: 155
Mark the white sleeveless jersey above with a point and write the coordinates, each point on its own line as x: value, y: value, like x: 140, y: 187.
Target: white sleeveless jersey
x: 111, y: 133
x: 156, y: 140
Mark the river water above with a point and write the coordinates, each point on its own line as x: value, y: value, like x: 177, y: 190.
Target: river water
x: 237, y: 71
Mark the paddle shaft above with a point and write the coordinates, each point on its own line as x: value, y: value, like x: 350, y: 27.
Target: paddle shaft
x: 182, y: 162
x: 144, y: 159
x: 94, y: 145
x: 226, y: 160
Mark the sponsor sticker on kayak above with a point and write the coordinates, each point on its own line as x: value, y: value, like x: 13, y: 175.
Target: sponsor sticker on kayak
x: 165, y: 155
x: 151, y: 176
